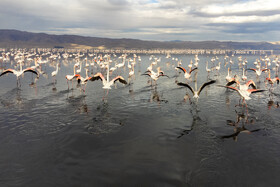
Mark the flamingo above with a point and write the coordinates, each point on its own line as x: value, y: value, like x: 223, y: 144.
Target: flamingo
x: 244, y: 93
x: 54, y: 73
x: 258, y: 71
x: 228, y: 77
x: 106, y: 82
x: 272, y: 81
x: 20, y: 72
x: 196, y: 92
x: 243, y: 87
x: 155, y: 75
x: 70, y: 77
x: 131, y: 71
x: 218, y: 67
x: 244, y: 90
x: 79, y: 70
x: 207, y: 69
x: 244, y: 77
x: 187, y: 75
x: 82, y: 80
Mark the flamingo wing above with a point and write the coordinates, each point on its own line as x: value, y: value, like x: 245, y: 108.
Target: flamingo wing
x: 231, y: 82
x: 193, y: 70
x: 161, y: 74
x: 265, y: 69
x: 8, y: 71
x: 251, y: 83
x: 146, y: 74
x: 252, y: 69
x: 186, y: 85
x: 181, y: 68
x: 204, y: 85
x: 255, y: 90
x: 148, y: 71
x: 120, y: 78
x: 230, y: 87
x: 97, y: 76
x: 31, y: 70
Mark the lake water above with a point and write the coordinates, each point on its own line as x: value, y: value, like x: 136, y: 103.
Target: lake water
x: 138, y: 135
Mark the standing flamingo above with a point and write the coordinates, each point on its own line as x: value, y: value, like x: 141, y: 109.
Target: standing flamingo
x: 70, y: 77
x: 272, y: 81
x: 54, y: 73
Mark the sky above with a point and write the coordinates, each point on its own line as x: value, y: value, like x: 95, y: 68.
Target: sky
x: 160, y: 20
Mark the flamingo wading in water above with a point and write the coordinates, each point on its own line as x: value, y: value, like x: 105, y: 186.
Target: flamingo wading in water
x: 196, y: 92
x: 20, y: 72
x: 106, y: 82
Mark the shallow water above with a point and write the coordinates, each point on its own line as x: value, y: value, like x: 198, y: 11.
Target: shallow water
x: 138, y: 135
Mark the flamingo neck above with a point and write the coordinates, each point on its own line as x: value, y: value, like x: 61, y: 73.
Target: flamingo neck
x: 20, y: 66
x: 108, y: 72
x: 86, y: 73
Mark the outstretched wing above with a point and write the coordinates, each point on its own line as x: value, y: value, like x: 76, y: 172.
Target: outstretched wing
x: 7, y: 71
x: 181, y: 68
x: 186, y: 85
x: 193, y: 70
x: 230, y: 87
x: 251, y: 83
x: 31, y: 70
x: 121, y: 79
x: 231, y: 82
x: 255, y: 90
x: 252, y: 69
x: 146, y: 74
x: 97, y: 76
x: 204, y: 85
x: 161, y: 74
x: 265, y: 69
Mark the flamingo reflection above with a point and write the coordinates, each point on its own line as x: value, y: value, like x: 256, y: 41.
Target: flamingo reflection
x: 244, y: 119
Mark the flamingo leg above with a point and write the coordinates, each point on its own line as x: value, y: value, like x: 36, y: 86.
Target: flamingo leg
x: 85, y: 88
x: 68, y: 84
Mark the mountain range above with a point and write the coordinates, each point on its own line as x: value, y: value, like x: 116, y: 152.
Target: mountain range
x: 23, y: 39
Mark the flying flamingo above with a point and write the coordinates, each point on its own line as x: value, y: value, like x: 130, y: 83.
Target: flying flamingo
x: 196, y: 92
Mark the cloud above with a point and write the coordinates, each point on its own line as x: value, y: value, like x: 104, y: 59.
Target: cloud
x: 146, y: 19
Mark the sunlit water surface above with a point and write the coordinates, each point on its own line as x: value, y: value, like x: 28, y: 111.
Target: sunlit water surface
x: 139, y: 135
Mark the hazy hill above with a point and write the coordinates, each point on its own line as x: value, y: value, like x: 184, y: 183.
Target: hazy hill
x: 15, y: 38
